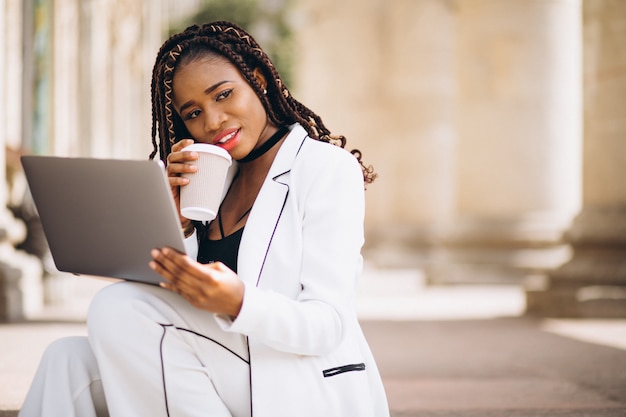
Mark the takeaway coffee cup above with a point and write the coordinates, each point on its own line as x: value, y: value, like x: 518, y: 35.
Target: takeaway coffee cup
x: 200, y: 198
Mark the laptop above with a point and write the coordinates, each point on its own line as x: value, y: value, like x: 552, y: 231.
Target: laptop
x: 102, y: 217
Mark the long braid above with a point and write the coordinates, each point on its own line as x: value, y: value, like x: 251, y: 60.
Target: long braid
x: 158, y: 105
x: 239, y: 47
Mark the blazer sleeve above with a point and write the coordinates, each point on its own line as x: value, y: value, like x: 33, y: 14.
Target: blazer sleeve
x: 331, y: 196
x: 191, y: 245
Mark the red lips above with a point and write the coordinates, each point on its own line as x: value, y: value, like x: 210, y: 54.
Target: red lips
x: 227, y: 139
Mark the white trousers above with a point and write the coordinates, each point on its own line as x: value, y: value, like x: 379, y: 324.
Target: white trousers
x: 148, y: 353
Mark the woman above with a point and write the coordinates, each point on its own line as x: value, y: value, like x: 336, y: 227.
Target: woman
x: 258, y: 317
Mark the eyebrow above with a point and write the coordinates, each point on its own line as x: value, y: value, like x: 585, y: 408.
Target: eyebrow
x: 209, y: 90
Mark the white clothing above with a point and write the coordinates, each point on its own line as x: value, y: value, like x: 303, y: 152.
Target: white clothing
x: 160, y: 356
x: 300, y: 349
x: 300, y: 259
x: 157, y: 356
x: 67, y: 383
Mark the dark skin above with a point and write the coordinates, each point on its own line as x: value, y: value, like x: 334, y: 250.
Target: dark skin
x: 218, y: 106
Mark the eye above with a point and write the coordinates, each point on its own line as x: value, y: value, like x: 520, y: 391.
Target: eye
x: 193, y: 114
x: 224, y: 94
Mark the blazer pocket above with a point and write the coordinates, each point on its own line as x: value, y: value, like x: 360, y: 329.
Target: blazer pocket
x: 343, y: 369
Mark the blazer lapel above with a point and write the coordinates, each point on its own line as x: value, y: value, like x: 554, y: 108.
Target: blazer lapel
x: 267, y: 209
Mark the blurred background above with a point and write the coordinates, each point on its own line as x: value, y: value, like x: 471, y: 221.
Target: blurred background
x: 497, y: 128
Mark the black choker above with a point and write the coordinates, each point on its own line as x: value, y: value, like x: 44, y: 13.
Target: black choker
x: 266, y: 146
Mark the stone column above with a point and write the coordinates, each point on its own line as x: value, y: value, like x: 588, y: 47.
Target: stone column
x: 3, y: 101
x: 64, y: 118
x: 593, y: 283
x: 65, y: 92
x: 387, y: 84
x: 95, y: 78
x: 20, y: 274
x: 519, y: 128
x: 415, y: 145
x: 119, y: 40
x: 133, y: 49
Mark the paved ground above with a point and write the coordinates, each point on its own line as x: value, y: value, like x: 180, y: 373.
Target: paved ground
x: 442, y: 352
x: 499, y: 367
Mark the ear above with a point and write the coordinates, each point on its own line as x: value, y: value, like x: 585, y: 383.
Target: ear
x: 260, y: 78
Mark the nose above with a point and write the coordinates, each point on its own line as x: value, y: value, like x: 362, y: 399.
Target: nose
x: 213, y: 120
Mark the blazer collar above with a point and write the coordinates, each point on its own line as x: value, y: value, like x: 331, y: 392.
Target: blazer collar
x: 268, y: 208
x: 288, y: 151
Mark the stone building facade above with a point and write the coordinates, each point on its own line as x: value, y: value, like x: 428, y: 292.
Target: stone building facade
x: 74, y: 81
x: 496, y: 127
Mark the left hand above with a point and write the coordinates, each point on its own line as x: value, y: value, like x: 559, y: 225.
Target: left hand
x: 212, y: 287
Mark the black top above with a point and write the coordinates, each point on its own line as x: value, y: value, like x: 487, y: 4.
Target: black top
x: 224, y: 250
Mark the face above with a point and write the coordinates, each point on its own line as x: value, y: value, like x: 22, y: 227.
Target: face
x: 219, y: 107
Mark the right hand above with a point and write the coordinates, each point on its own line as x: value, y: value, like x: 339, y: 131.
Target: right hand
x: 178, y: 163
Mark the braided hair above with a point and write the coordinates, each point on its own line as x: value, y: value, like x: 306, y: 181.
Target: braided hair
x: 235, y: 44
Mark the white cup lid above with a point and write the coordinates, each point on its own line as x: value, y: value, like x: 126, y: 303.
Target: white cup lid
x: 208, y: 148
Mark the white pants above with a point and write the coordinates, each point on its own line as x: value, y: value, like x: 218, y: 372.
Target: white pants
x: 149, y: 353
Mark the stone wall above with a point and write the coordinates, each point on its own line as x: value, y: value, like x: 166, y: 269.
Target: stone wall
x: 497, y: 129
x: 382, y: 73
x: 471, y: 112
x: 74, y: 81
x: 593, y: 282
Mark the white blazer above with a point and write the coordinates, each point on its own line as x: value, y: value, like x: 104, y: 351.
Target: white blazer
x: 300, y: 259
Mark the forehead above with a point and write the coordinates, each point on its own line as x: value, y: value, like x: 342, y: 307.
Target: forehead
x: 195, y: 76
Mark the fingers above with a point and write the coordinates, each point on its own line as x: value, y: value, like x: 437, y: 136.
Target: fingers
x: 182, y: 144
x: 182, y: 274
x: 183, y: 277
x: 212, y: 287
x: 181, y: 162
x: 178, y: 163
x: 170, y: 264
